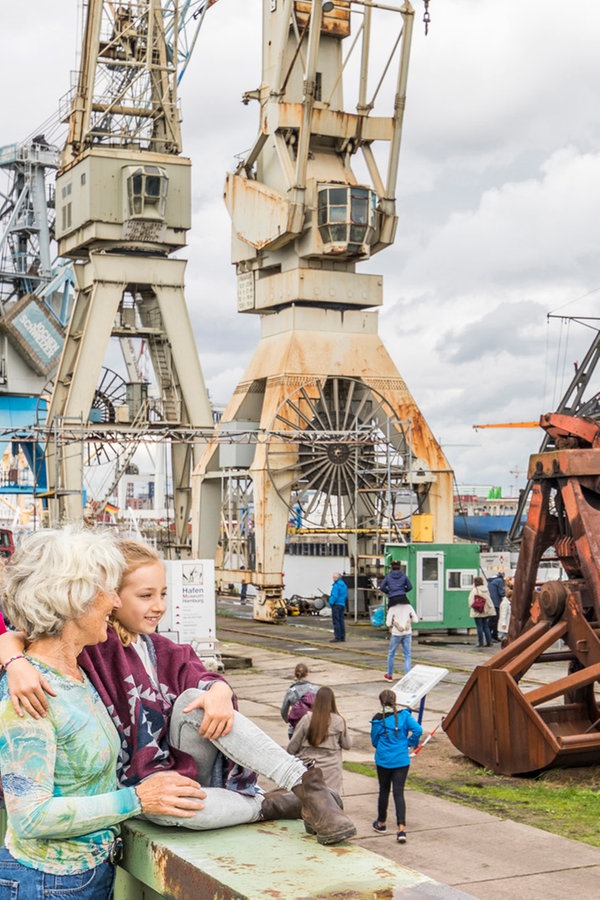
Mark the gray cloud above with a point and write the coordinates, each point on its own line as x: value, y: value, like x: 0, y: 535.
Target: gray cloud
x: 497, y: 203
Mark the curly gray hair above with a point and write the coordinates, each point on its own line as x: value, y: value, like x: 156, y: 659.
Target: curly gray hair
x: 55, y: 575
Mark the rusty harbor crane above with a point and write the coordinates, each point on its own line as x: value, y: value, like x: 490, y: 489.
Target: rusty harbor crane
x: 494, y: 721
x: 327, y: 432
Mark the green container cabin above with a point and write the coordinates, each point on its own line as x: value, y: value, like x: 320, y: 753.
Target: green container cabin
x: 442, y: 576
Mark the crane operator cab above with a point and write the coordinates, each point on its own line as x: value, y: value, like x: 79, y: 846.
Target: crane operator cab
x: 346, y: 216
x: 116, y: 199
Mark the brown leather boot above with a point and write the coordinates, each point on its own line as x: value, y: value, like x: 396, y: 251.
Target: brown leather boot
x: 286, y: 805
x: 280, y: 805
x: 320, y: 811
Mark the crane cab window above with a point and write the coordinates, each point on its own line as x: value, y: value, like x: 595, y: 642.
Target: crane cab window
x: 147, y: 188
x: 346, y: 218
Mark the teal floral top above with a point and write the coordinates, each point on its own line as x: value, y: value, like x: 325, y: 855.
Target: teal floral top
x: 59, y: 779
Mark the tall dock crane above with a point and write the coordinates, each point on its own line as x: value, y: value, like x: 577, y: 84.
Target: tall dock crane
x: 123, y: 207
x: 327, y: 432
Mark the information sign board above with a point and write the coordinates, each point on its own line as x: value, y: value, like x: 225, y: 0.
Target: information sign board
x: 417, y: 683
x: 191, y: 613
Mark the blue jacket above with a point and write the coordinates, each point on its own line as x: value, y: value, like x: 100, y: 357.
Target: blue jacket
x: 396, y: 583
x: 391, y: 742
x: 496, y: 589
x: 339, y: 593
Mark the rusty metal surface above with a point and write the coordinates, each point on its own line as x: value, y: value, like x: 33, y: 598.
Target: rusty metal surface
x: 570, y: 431
x: 334, y: 123
x: 265, y: 861
x: 493, y: 721
x: 335, y: 22
x: 564, y: 463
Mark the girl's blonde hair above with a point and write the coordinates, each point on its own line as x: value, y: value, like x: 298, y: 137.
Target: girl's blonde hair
x: 135, y: 555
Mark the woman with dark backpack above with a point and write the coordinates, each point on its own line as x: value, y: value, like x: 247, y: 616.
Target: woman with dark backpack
x: 392, y: 733
x: 480, y: 609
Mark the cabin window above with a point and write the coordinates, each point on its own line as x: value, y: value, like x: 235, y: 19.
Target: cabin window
x: 460, y: 579
x: 346, y: 218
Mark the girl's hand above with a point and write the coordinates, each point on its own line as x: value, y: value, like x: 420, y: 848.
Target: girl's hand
x: 170, y: 794
x: 28, y: 689
x: 217, y: 703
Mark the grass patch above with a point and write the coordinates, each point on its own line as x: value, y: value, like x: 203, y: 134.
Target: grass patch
x: 572, y: 811
x: 361, y: 768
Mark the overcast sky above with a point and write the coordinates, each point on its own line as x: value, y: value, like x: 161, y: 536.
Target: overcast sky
x: 498, y: 198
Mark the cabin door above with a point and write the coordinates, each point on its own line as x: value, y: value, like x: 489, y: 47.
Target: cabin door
x: 430, y: 586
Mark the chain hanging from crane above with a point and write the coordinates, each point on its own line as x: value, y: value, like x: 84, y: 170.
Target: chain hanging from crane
x: 426, y: 16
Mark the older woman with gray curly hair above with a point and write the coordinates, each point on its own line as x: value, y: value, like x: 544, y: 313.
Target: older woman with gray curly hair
x: 59, y: 771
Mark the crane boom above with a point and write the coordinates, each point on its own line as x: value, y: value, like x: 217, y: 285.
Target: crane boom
x: 507, y: 425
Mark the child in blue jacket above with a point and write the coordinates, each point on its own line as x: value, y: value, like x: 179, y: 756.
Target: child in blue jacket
x: 392, y: 733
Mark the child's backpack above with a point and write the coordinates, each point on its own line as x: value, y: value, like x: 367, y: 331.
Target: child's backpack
x: 300, y: 708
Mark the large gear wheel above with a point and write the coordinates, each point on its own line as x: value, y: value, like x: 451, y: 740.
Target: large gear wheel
x: 338, y: 456
x: 110, y: 393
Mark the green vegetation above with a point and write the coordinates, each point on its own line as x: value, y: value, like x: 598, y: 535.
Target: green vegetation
x: 568, y: 809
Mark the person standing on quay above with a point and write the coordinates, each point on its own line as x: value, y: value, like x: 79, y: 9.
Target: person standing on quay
x: 321, y: 735
x: 483, y: 615
x: 392, y: 733
x: 293, y: 707
x: 497, y: 591
x: 398, y: 620
x: 337, y: 600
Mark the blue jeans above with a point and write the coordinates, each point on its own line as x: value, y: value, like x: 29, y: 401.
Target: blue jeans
x: 248, y: 746
x: 18, y: 882
x: 339, y: 625
x: 395, y: 641
x: 483, y: 631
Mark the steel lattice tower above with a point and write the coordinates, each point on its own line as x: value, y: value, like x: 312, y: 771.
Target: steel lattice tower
x: 123, y: 206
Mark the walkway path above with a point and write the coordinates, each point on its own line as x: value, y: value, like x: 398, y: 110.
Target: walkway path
x: 471, y: 851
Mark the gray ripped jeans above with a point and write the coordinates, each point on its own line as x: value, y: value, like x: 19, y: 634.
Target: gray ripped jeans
x: 246, y: 745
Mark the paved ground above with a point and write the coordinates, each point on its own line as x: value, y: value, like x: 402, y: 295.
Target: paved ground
x: 477, y: 854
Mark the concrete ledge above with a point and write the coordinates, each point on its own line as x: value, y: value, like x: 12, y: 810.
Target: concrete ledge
x: 252, y: 862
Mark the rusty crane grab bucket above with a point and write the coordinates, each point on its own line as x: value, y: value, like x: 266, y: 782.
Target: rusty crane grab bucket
x: 494, y: 721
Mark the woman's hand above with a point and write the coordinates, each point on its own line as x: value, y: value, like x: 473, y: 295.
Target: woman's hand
x: 28, y: 689
x: 217, y: 703
x: 170, y: 794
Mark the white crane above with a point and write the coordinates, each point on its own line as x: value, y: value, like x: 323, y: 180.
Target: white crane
x: 123, y: 207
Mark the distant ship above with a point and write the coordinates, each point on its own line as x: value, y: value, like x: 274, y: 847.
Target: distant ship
x: 484, y: 516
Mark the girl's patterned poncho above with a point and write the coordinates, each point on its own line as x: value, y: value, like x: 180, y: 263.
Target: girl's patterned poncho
x: 141, y: 710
